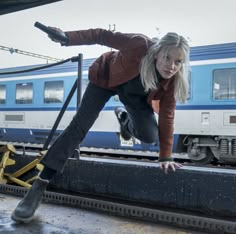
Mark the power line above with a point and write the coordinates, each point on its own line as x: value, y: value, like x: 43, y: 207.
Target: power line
x: 12, y: 50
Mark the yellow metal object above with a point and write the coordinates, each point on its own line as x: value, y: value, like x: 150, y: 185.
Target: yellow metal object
x: 7, y: 147
x: 14, y: 177
x: 6, y: 161
x: 39, y: 166
x: 26, y: 168
x: 18, y: 181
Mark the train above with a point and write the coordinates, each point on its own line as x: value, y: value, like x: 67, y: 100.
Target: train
x: 204, y: 127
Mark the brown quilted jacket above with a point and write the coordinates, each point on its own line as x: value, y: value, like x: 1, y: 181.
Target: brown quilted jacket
x: 122, y: 64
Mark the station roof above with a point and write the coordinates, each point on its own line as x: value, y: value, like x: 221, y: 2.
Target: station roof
x: 9, y: 6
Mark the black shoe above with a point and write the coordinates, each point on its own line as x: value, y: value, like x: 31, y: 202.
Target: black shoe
x: 26, y: 208
x: 122, y: 117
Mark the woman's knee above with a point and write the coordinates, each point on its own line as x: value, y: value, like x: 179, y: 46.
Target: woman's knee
x: 148, y: 137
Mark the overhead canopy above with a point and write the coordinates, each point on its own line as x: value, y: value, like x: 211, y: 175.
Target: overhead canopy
x: 9, y: 6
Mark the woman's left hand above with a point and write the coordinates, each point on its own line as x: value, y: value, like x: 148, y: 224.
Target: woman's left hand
x: 169, y: 165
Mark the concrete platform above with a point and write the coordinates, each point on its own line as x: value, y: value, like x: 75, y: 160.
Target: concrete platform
x: 54, y: 219
x: 208, y: 191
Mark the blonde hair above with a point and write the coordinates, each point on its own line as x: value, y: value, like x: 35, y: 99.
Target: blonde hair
x: 148, y: 69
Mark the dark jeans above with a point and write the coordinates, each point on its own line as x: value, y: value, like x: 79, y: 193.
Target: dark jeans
x: 141, y: 124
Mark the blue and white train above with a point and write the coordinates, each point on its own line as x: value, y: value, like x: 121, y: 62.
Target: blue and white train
x: 205, y: 127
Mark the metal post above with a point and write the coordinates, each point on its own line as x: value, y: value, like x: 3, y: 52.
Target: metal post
x: 79, y: 79
x: 79, y: 92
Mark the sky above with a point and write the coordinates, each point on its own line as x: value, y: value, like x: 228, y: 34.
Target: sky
x: 203, y: 22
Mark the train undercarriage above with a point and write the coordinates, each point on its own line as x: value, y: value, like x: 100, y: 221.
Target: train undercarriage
x: 205, y: 149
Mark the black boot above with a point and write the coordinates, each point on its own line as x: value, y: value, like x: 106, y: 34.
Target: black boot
x: 122, y: 117
x: 25, y: 210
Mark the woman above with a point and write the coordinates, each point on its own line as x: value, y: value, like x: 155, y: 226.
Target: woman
x: 146, y: 74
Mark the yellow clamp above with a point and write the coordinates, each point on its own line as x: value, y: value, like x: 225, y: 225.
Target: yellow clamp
x: 6, y: 161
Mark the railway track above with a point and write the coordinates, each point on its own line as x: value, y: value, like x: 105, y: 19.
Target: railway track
x: 146, y: 156
x: 34, y: 149
x: 85, y: 152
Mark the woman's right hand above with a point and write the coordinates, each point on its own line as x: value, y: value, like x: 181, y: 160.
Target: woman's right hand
x: 166, y: 166
x: 60, y: 32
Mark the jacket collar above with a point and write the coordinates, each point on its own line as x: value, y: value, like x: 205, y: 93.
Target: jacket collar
x: 164, y: 83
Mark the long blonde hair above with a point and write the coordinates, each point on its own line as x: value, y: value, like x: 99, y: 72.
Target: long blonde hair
x: 148, y: 70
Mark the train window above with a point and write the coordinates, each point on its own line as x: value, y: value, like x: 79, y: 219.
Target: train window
x: 14, y: 118
x: 53, y: 91
x: 232, y: 119
x: 2, y: 94
x: 24, y: 93
x: 224, y: 84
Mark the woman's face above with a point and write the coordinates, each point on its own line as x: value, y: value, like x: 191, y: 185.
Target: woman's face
x: 168, y: 64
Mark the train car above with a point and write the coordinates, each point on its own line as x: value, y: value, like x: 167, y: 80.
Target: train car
x: 205, y: 127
